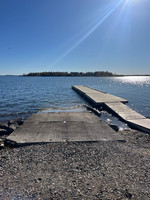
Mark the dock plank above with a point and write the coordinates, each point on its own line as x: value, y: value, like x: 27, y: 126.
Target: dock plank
x: 142, y: 124
x: 124, y: 111
x: 85, y: 89
x: 101, y: 98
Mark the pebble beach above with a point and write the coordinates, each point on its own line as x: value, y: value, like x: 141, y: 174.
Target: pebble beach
x: 78, y: 170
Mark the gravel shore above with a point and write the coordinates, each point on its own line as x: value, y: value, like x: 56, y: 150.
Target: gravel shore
x: 78, y: 170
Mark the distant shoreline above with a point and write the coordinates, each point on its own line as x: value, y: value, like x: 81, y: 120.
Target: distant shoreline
x: 79, y: 74
x: 70, y: 74
x: 114, y: 75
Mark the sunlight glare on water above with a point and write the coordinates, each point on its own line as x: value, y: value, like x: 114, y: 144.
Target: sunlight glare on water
x: 134, y: 80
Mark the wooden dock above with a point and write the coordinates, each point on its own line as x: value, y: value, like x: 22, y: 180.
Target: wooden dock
x: 98, y: 98
x: 115, y: 105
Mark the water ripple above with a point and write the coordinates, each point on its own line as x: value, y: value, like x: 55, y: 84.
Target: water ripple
x: 23, y: 96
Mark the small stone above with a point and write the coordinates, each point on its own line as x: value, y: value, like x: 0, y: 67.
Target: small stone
x: 18, y: 121
x: 2, y: 145
x: 13, y: 126
x: 39, y: 179
x: 7, y: 129
x: 108, y: 120
x: 114, y: 127
x: 2, y: 125
x: 128, y: 194
x: 3, y: 131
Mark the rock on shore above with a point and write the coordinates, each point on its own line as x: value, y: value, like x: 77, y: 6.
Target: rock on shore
x: 7, y: 128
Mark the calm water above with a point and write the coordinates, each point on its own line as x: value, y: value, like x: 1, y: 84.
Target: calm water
x: 22, y: 96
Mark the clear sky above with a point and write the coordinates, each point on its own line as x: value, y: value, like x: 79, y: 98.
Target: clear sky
x: 75, y: 35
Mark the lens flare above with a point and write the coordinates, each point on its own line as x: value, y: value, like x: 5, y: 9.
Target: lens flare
x: 97, y: 25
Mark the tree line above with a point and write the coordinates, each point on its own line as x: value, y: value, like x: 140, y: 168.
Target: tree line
x: 96, y: 74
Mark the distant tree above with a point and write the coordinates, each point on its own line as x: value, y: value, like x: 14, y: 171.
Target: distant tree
x: 96, y: 74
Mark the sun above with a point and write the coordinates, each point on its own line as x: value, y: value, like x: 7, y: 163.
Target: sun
x: 127, y: 1
x: 131, y: 1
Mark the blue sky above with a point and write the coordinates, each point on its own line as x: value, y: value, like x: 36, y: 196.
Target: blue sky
x: 75, y: 35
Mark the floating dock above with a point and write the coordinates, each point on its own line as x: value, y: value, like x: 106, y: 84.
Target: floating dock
x: 97, y: 98
x: 116, y: 105
x: 63, y: 127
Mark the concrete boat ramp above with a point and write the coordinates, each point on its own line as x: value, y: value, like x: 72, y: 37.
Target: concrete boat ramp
x: 115, y: 105
x: 62, y: 127
x: 79, y: 126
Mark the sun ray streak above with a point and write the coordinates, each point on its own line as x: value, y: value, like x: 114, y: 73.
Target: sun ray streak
x: 100, y: 22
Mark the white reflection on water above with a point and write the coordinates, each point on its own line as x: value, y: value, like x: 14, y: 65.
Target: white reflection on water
x: 135, y: 80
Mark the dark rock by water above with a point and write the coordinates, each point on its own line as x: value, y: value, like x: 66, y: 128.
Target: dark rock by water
x: 3, y: 131
x: 18, y: 121
x: 3, y: 125
x: 7, y: 128
x: 114, y: 127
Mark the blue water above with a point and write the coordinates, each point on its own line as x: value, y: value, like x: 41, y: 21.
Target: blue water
x: 22, y: 96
